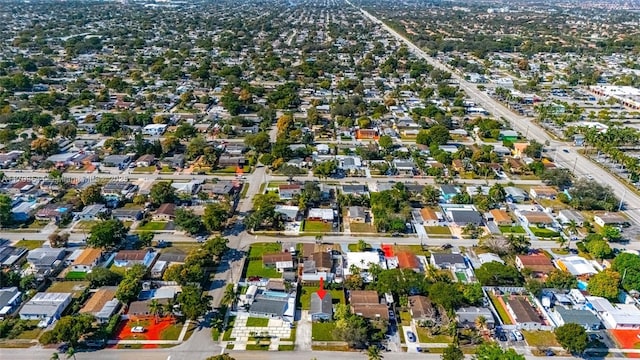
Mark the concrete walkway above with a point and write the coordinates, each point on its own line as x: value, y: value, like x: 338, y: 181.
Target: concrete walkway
x: 183, y: 332
x: 303, y: 332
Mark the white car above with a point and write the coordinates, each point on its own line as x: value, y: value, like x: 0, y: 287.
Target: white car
x: 137, y: 329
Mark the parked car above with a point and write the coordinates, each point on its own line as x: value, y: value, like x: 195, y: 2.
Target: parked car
x: 502, y: 337
x: 137, y: 329
x: 411, y: 336
x: 518, y: 335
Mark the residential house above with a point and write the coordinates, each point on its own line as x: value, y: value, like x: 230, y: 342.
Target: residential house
x: 357, y: 214
x: 46, y: 307
x: 525, y: 316
x: 516, y: 166
x: 610, y: 219
x: 127, y: 214
x: 289, y: 191
x: 319, y: 214
x: 227, y: 160
x: 190, y: 187
x: 489, y: 257
x: 543, y: 192
x: 508, y: 135
x: 468, y: 317
x: 321, y: 308
x: 92, y: 212
x: 322, y: 261
x: 422, y: 309
x: 519, y: 149
x: 102, y: 304
x: 45, y: 259
x: 448, y: 261
x: 429, y: 217
x: 537, y: 218
x: 615, y: 316
x: 408, y: 260
x: 281, y: 261
x: 288, y: 212
x: 447, y: 192
x: 166, y: 212
x: 146, y: 160
x: 158, y: 269
x: 128, y: 258
x: 53, y: 212
x: 118, y: 190
x: 173, y: 162
x: 463, y: 217
x: 538, y: 264
x: 119, y: 161
x: 363, y: 260
x: 10, y: 298
x: 501, y: 217
x: 515, y: 194
x: 576, y: 266
x: 355, y: 189
x: 11, y: 256
x: 582, y: 317
x: 366, y: 303
x: 88, y: 259
x: 407, y: 167
x: 567, y: 216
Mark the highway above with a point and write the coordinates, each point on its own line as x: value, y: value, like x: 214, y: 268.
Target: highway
x: 571, y: 160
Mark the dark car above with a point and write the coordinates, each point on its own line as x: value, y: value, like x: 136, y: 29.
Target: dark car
x: 565, y: 150
x: 549, y: 352
x: 411, y: 336
x: 447, y: 246
x: 502, y: 337
x: 63, y: 347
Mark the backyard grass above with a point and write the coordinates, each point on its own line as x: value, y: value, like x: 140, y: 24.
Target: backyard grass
x: 153, y: 225
x: 541, y: 338
x: 76, y: 275
x: 305, y: 296
x: 322, y: 331
x: 425, y: 336
x: 257, y: 322
x: 517, y: 229
x: 438, y: 230
x: 405, y: 318
x: 144, y: 169
x: 416, y: 249
x: 172, y: 332
x: 32, y: 334
x: 286, y: 347
x: 362, y: 228
x: 255, y: 268
x: 75, y: 287
x: 259, y: 249
x: 232, y: 170
x: 316, y: 226
x: 543, y: 232
x: 85, y: 224
x: 30, y: 244
x: 501, y: 310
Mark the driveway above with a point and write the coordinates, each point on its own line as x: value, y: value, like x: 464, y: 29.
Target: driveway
x: 303, y: 332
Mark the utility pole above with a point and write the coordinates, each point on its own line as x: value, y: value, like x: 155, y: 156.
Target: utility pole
x: 622, y: 199
x: 574, y: 165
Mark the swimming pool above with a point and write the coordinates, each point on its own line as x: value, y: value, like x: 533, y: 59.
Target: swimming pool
x: 275, y: 294
x: 582, y: 285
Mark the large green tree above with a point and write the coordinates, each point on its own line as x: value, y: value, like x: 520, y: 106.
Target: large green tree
x: 495, y: 352
x: 107, y: 234
x: 497, y: 274
x: 452, y: 352
x: 215, y: 216
x: 572, y: 337
x: 71, y: 328
x: 629, y: 265
x: 193, y: 303
x: 92, y: 194
x: 606, y: 284
x: 101, y: 276
x: 188, y: 221
x: 5, y: 210
x: 162, y: 192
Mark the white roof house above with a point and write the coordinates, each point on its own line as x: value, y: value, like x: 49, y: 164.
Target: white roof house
x: 320, y: 214
x: 362, y: 260
x: 615, y: 316
x: 46, y: 307
x: 577, y: 266
x: 489, y: 257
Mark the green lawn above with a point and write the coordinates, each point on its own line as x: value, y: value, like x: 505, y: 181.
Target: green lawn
x: 362, y: 228
x: 425, y: 337
x: 153, y: 225
x: 356, y: 248
x: 501, y: 310
x: 255, y: 268
x: 75, y: 287
x: 438, y: 230
x: 286, y: 347
x: 259, y: 249
x: 540, y: 338
x: 257, y: 322
x: 172, y: 332
x: 543, y: 232
x: 517, y: 229
x: 76, y: 275
x: 305, y: 296
x: 30, y: 244
x: 232, y: 170
x: 85, y: 224
x: 316, y: 226
x: 167, y: 170
x: 322, y: 331
x: 405, y: 318
x: 144, y: 169
x: 461, y: 276
x: 416, y: 249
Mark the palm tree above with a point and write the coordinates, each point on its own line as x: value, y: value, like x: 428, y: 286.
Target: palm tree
x: 572, y: 226
x: 54, y: 356
x: 156, y: 309
x: 230, y: 296
x: 374, y: 353
x: 481, y: 322
x: 71, y: 352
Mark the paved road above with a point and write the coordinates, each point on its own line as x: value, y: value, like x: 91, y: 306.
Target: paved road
x: 571, y: 160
